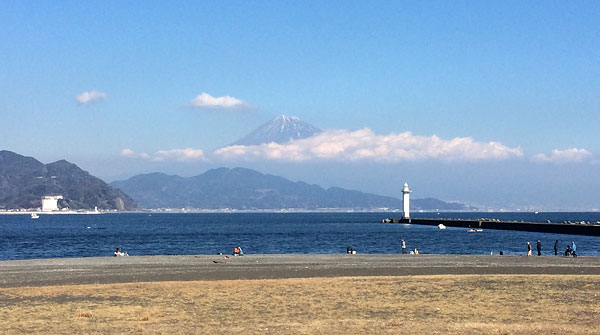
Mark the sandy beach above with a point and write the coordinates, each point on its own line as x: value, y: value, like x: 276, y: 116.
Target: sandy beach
x: 106, y: 270
x: 301, y: 294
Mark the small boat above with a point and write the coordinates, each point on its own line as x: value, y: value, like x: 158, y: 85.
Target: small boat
x: 441, y: 226
x: 34, y: 216
x: 472, y: 230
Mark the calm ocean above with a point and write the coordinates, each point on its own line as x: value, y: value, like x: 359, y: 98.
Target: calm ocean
x: 174, y: 234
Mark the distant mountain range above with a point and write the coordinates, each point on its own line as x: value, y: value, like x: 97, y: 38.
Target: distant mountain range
x: 24, y: 181
x: 281, y: 129
x: 246, y: 189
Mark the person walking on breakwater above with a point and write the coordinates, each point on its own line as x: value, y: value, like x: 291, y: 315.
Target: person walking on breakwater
x: 403, y: 247
x: 538, y: 246
x: 555, y: 247
x: 528, y: 248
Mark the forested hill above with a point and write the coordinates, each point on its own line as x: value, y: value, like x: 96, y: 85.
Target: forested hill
x: 25, y: 180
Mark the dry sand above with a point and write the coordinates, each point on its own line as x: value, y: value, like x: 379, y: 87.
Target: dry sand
x: 301, y: 294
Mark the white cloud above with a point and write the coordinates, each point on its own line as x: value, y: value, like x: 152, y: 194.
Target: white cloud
x: 205, y: 100
x: 363, y: 144
x: 179, y: 155
x: 91, y: 96
x: 131, y: 153
x: 563, y: 156
x: 344, y: 145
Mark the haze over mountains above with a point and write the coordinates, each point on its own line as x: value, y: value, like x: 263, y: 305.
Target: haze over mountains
x: 24, y: 181
x: 246, y: 189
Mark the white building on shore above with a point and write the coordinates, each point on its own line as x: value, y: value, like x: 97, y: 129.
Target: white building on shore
x: 50, y: 203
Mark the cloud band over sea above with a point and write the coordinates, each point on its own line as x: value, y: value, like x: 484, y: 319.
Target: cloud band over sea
x: 345, y: 145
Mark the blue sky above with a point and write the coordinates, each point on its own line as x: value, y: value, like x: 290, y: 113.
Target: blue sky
x: 524, y: 75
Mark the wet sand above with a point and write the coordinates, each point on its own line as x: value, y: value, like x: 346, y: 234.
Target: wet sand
x: 107, y: 270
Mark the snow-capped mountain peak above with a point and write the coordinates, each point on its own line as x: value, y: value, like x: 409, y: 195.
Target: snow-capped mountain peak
x: 281, y: 129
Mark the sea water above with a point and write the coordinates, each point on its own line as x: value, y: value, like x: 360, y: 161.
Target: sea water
x: 270, y: 233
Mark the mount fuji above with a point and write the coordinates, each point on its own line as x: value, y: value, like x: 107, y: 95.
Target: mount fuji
x: 280, y: 130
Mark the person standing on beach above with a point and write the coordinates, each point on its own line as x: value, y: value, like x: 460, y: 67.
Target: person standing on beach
x: 538, y: 246
x: 403, y: 247
x: 528, y: 248
x: 556, y: 248
x: 573, y: 249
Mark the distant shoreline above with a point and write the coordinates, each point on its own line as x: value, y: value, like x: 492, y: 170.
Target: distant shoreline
x: 55, y: 213
x: 270, y: 211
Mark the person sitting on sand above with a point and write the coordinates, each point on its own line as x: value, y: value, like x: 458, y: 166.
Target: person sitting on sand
x: 236, y: 251
x: 119, y: 253
x: 241, y: 252
x: 568, y: 250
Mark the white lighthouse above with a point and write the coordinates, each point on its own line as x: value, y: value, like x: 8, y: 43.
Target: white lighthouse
x: 406, y: 202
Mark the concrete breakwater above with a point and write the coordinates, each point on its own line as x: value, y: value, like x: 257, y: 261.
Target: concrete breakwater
x: 587, y: 229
